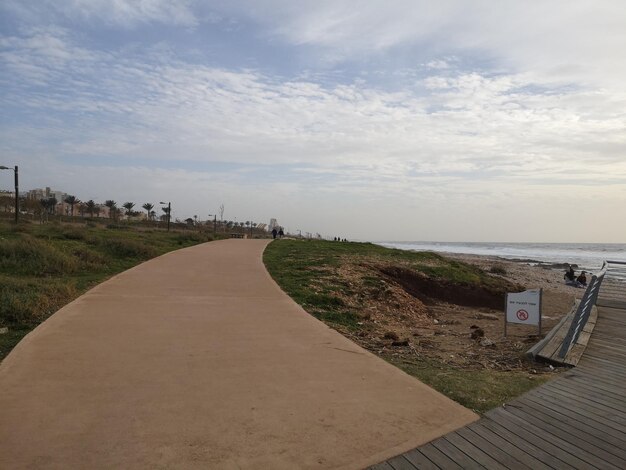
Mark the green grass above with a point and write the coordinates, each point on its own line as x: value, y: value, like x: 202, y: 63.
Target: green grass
x: 43, y: 267
x: 308, y: 272
x: 479, y: 390
x: 305, y: 270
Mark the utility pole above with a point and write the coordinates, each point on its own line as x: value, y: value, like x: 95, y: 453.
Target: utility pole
x: 17, y: 193
x: 169, y: 213
x: 214, y: 223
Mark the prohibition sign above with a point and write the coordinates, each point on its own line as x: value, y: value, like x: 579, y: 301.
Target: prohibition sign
x: 522, y: 315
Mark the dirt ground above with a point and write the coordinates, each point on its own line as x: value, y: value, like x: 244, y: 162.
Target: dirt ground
x: 397, y: 323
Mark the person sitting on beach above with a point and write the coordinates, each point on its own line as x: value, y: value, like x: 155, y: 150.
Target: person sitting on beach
x: 570, y: 277
x: 582, y: 279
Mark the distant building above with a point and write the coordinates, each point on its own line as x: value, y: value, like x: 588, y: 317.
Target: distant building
x: 46, y: 193
x: 273, y: 225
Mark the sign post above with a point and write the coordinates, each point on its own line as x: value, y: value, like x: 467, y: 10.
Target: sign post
x: 523, y: 308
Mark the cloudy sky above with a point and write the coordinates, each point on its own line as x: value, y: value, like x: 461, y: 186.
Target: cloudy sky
x: 376, y: 120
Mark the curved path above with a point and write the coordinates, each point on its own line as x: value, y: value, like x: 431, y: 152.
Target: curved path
x: 197, y: 359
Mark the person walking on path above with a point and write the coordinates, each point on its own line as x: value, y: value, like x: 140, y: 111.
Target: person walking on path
x: 274, y: 233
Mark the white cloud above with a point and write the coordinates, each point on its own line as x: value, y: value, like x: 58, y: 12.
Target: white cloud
x: 124, y: 13
x: 563, y: 40
x: 467, y: 123
x: 536, y: 135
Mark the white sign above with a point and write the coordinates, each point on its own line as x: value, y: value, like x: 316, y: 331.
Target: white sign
x: 524, y: 308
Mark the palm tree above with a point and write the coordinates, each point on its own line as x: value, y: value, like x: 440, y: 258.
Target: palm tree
x: 91, y: 207
x: 129, y: 207
x: 49, y: 204
x: 148, y: 207
x: 82, y: 208
x: 112, y: 205
x: 71, y: 200
x: 166, y: 211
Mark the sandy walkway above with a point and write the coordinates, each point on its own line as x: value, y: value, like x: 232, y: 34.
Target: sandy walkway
x: 198, y: 360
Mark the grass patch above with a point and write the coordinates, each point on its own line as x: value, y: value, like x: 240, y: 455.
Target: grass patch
x: 478, y: 390
x: 30, y: 256
x: 310, y: 272
x: 43, y: 267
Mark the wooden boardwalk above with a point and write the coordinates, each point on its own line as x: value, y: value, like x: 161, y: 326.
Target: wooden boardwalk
x: 576, y: 421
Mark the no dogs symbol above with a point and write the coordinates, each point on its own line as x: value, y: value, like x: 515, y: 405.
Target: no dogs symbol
x: 522, y: 315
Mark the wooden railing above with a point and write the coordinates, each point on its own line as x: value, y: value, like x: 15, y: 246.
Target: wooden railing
x: 584, y: 310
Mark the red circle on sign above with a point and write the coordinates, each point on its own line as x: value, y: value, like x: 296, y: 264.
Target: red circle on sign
x: 522, y: 315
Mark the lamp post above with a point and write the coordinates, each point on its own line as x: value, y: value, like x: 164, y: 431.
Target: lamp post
x: 169, y: 213
x: 214, y: 223
x: 17, y: 196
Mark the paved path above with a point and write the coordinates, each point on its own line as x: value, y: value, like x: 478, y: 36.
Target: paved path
x: 198, y: 360
x: 576, y: 421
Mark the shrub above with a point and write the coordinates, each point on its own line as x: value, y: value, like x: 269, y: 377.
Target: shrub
x: 89, y: 258
x: 74, y: 233
x: 193, y: 237
x: 117, y: 227
x: 498, y: 269
x: 26, y: 303
x: 123, y: 248
x: 28, y: 255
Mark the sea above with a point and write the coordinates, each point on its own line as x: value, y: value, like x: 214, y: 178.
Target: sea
x: 588, y: 256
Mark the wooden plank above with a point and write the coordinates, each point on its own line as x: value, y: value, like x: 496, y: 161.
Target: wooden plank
x: 589, y: 366
x: 574, y: 354
x: 600, y: 379
x: 455, y: 454
x: 495, y: 440
x: 590, y: 410
x: 604, y: 378
x: 381, y: 466
x: 576, y: 421
x: 604, y: 458
x: 438, y: 458
x: 611, y: 303
x: 400, y: 463
x: 576, y: 407
x: 592, y: 403
x: 420, y: 461
x: 612, y: 347
x: 494, y: 452
x: 558, y: 336
x: 576, y: 413
x: 603, y: 361
x: 600, y: 339
x: 613, y: 403
x: 539, y: 439
x: 590, y: 371
x: 539, y: 347
x: 576, y: 428
x: 474, y: 452
x: 537, y: 452
x: 565, y: 448
x: 595, y: 396
x: 608, y: 349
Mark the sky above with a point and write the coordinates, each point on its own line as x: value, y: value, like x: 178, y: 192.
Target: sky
x: 378, y: 120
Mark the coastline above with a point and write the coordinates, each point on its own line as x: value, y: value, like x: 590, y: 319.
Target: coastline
x: 586, y: 256
x: 533, y: 275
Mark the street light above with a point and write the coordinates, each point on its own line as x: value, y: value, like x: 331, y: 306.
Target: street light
x: 169, y: 213
x: 214, y: 223
x: 17, y: 203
